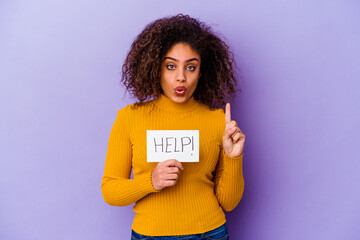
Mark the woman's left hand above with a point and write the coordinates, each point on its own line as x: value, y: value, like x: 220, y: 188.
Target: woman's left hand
x: 233, y: 138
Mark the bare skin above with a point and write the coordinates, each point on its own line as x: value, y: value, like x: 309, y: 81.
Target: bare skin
x: 180, y: 67
x: 166, y: 174
x: 233, y: 138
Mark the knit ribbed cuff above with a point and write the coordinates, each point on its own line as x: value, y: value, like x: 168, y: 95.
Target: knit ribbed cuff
x: 144, y: 184
x: 233, y: 163
x: 233, y: 158
x: 152, y: 186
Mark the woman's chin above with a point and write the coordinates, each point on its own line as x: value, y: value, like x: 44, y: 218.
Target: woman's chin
x: 179, y: 99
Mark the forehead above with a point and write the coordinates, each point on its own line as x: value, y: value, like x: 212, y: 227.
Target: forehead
x: 182, y: 51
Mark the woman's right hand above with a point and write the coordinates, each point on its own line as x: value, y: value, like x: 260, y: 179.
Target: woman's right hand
x: 166, y: 174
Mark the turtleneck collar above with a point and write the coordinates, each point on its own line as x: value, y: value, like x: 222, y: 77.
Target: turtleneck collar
x: 167, y: 104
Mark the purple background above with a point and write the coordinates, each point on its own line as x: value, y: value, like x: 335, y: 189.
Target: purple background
x: 299, y: 60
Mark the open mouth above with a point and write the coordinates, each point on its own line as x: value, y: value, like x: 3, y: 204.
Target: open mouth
x: 180, y: 91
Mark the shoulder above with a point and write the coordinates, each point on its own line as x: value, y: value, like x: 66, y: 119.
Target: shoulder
x: 214, y: 117
x: 213, y: 121
x: 217, y: 113
x: 134, y: 109
x: 125, y: 110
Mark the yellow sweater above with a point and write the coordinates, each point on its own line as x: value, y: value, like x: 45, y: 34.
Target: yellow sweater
x: 195, y: 204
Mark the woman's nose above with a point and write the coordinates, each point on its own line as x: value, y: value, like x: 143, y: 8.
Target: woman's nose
x: 181, y: 76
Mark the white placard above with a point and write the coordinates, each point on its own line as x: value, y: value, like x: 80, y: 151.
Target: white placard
x: 182, y: 145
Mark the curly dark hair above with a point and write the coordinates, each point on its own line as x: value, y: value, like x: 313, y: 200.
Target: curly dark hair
x: 142, y: 67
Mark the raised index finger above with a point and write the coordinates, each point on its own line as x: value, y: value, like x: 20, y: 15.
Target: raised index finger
x: 227, y: 113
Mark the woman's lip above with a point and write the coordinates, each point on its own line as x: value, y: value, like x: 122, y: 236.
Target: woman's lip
x: 180, y: 90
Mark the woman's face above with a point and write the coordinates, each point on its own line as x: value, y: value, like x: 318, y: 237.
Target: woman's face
x: 180, y: 72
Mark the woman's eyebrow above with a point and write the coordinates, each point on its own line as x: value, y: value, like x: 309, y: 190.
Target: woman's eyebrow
x: 189, y: 60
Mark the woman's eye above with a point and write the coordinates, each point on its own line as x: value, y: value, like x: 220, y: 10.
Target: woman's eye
x: 191, y: 68
x: 170, y: 67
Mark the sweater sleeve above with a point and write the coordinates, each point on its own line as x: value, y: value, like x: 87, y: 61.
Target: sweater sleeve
x: 229, y: 181
x: 117, y: 187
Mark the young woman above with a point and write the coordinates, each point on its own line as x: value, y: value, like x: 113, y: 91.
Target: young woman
x: 180, y: 72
